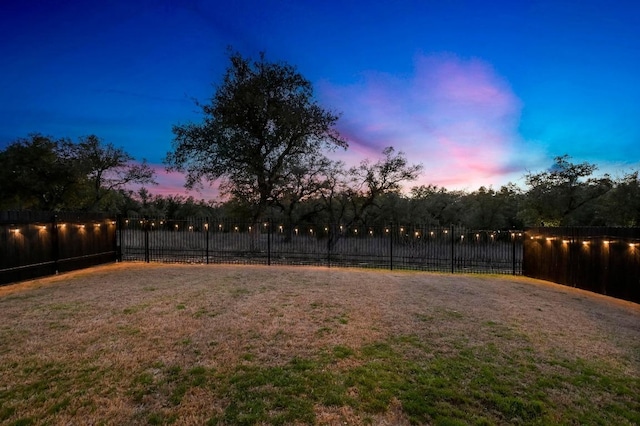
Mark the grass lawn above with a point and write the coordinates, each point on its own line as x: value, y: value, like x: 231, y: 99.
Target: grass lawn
x: 136, y: 343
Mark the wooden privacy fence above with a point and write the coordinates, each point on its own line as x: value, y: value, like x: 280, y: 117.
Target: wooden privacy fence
x: 602, y: 260
x: 34, y: 244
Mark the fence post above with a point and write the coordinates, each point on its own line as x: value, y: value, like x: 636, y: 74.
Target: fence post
x: 146, y: 239
x: 119, y: 239
x: 329, y: 235
x: 55, y: 243
x: 206, y: 233
x: 452, y: 248
x: 513, y: 251
x: 269, y: 242
x: 391, y: 246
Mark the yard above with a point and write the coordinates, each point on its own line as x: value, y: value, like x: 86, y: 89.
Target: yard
x: 135, y: 343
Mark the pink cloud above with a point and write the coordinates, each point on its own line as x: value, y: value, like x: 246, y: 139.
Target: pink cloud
x: 457, y: 117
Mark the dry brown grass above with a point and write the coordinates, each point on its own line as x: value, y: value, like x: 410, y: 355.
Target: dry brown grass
x: 97, y: 333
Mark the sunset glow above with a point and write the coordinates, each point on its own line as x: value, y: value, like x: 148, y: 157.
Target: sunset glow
x: 479, y: 93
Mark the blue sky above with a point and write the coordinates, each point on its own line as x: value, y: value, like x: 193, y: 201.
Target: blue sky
x: 478, y: 92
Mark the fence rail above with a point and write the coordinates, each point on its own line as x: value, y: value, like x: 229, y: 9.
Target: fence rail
x: 450, y: 249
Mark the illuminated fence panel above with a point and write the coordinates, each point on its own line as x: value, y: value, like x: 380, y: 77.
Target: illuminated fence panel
x: 34, y: 244
x: 598, y: 259
x: 199, y: 240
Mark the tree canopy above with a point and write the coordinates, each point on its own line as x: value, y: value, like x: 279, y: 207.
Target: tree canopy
x: 42, y: 173
x: 259, y: 127
x: 557, y: 195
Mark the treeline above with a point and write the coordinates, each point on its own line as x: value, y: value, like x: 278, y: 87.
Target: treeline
x: 47, y: 174
x: 567, y: 194
x: 40, y: 173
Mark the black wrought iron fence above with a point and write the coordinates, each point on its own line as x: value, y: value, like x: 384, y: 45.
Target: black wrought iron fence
x: 200, y: 240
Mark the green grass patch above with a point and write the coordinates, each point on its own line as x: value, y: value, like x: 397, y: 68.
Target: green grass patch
x: 475, y: 385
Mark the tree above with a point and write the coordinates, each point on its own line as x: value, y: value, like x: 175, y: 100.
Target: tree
x: 433, y: 205
x: 372, y: 180
x: 42, y: 173
x: 260, y: 122
x: 556, y: 196
x: 350, y: 196
x: 38, y: 173
x: 108, y: 168
x: 490, y: 209
x: 303, y: 182
x: 621, y: 205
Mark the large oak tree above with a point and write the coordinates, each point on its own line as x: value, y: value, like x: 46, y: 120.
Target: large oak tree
x: 261, y: 124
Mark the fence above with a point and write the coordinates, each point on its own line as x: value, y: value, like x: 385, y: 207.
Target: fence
x: 602, y: 260
x: 34, y: 244
x: 450, y: 249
